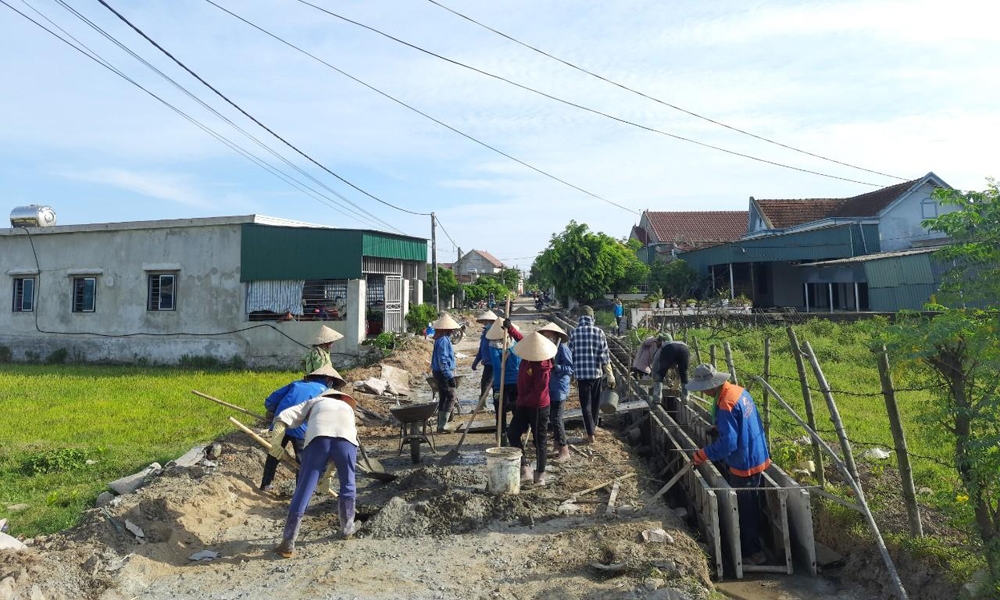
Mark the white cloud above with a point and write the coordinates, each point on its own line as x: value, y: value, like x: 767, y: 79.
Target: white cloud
x: 162, y: 186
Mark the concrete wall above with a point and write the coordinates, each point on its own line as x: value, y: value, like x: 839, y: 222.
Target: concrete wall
x: 900, y: 226
x: 210, y: 299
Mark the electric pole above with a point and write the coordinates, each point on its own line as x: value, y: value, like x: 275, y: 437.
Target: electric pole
x: 434, y: 262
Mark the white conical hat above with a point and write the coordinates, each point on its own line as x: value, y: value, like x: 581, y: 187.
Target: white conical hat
x: 339, y: 396
x: 496, y: 331
x: 325, y: 335
x: 557, y: 330
x: 445, y: 323
x: 487, y: 317
x: 535, y: 348
x: 327, y: 370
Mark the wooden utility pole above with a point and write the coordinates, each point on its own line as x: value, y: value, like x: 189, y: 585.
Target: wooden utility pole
x: 767, y: 395
x: 729, y: 363
x: 902, y: 457
x: 807, y: 398
x: 838, y: 424
x: 434, y: 262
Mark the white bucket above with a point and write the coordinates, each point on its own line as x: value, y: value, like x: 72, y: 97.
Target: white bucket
x: 661, y: 303
x: 503, y: 470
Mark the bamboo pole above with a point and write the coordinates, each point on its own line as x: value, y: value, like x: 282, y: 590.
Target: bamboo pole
x: 291, y: 464
x: 767, y: 396
x: 729, y: 363
x: 711, y: 354
x: 503, y: 368
x: 838, y: 424
x: 697, y: 350
x: 897, y: 584
x: 793, y: 340
x: 902, y: 457
x: 228, y: 405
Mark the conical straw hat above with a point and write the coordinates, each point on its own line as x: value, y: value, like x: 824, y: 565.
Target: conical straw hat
x: 496, y: 331
x: 487, y: 317
x: 535, y: 348
x: 327, y: 370
x: 325, y: 335
x: 339, y: 396
x: 445, y: 323
x: 557, y: 330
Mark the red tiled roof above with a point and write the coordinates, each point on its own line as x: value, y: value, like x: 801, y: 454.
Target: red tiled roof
x: 698, y: 229
x: 640, y: 234
x: 789, y: 213
x: 492, y: 259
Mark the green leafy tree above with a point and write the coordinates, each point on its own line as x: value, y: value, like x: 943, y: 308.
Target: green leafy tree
x: 959, y: 349
x: 509, y: 278
x: 585, y: 265
x: 447, y: 284
x: 480, y: 289
x: 675, y: 278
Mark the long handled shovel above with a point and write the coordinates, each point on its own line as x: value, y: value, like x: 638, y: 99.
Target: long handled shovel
x: 453, y: 454
x: 291, y: 464
x: 372, y: 467
x: 228, y: 405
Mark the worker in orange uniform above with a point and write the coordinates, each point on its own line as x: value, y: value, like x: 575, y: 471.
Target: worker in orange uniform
x: 741, y: 445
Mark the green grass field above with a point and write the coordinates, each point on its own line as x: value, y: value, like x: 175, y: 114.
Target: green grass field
x: 56, y: 418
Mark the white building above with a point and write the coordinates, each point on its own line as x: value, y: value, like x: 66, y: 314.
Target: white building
x: 475, y: 263
x: 251, y: 287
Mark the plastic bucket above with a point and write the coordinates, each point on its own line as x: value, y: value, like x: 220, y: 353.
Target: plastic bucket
x: 609, y: 402
x: 503, y: 470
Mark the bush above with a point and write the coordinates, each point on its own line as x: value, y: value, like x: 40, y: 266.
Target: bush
x: 53, y: 461
x: 6, y: 355
x: 57, y: 357
x: 420, y: 315
x: 604, y: 318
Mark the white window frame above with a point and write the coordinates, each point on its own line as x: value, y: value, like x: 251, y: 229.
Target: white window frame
x: 159, y: 299
x: 14, y: 302
x: 72, y: 296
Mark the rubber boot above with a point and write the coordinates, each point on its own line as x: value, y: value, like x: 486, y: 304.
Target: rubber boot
x: 442, y: 420
x: 287, y: 546
x: 346, y: 508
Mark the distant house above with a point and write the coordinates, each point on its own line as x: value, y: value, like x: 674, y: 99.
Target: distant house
x: 866, y: 252
x: 475, y: 263
x: 664, y: 234
x: 252, y: 287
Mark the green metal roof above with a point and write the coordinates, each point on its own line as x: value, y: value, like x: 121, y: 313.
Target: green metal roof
x: 816, y: 244
x: 900, y: 282
x: 280, y: 253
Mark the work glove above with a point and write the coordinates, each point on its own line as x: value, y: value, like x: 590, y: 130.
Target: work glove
x: 610, y: 376
x: 506, y: 324
x: 277, y: 450
x: 699, y: 457
x: 452, y: 383
x: 326, y: 480
x: 269, y: 417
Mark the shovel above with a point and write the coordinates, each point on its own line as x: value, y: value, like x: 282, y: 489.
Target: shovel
x: 453, y: 454
x: 372, y: 467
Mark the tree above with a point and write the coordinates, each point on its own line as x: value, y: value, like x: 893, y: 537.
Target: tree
x: 959, y: 349
x: 509, y: 278
x: 675, y: 278
x: 480, y: 289
x: 586, y: 265
x: 447, y: 285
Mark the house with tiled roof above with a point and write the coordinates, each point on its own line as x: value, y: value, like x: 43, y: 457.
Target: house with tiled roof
x: 864, y: 252
x: 665, y: 233
x: 475, y: 263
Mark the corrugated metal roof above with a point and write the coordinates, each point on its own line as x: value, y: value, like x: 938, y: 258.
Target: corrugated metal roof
x: 815, y: 244
x: 903, y: 297
x: 876, y: 256
x: 904, y: 270
x: 384, y: 245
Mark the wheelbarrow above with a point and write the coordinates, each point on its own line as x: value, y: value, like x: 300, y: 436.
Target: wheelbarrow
x: 413, y: 427
x: 434, y: 392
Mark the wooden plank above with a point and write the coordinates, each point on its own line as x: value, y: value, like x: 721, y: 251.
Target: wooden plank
x: 776, y: 507
x: 614, y: 496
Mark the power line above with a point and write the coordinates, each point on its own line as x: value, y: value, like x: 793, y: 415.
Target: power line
x: 363, y: 215
x: 657, y: 100
x: 252, y: 118
x: 580, y: 106
x: 92, y: 55
x: 420, y: 112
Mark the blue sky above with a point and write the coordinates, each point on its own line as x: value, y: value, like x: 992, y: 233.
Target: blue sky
x: 899, y: 87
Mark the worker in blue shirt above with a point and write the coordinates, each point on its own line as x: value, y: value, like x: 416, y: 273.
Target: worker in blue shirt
x: 619, y: 314
x: 443, y: 367
x: 509, y: 369
x: 293, y: 394
x: 562, y: 371
x: 483, y: 356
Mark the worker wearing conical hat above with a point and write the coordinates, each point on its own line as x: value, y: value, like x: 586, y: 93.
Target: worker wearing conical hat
x: 331, y: 436
x: 483, y: 356
x: 562, y: 371
x: 508, y: 370
x: 319, y: 355
x: 293, y: 394
x: 443, y: 367
x: 532, y: 412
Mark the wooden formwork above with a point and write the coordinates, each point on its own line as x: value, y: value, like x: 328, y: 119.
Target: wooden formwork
x: 702, y: 501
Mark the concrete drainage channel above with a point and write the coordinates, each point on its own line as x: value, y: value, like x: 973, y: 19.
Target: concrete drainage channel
x: 669, y: 430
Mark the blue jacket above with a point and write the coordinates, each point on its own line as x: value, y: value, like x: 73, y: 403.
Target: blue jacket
x: 741, y: 440
x: 443, y: 359
x: 510, y: 371
x: 483, y: 356
x: 562, y: 370
x: 619, y: 310
x: 293, y: 394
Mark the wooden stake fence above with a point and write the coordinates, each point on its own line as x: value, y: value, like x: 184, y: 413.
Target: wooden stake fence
x: 729, y: 363
x: 838, y: 424
x: 767, y: 397
x: 793, y: 340
x: 902, y: 457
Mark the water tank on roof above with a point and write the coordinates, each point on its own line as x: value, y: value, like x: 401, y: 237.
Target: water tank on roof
x: 33, y: 215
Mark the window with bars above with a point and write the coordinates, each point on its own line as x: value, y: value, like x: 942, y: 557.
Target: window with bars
x: 324, y: 300
x: 84, y: 294
x: 24, y: 294
x: 162, y: 292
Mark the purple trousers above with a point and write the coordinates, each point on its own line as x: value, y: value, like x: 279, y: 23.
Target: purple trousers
x: 315, y: 457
